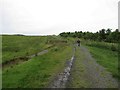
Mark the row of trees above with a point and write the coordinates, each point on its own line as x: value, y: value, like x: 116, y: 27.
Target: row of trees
x: 102, y: 35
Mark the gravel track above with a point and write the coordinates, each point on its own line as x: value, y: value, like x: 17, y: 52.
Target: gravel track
x: 95, y: 75
x: 99, y: 77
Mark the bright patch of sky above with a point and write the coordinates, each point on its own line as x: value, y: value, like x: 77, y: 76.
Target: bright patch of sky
x: 47, y: 17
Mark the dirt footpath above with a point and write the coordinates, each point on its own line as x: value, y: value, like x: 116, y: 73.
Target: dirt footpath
x: 87, y: 73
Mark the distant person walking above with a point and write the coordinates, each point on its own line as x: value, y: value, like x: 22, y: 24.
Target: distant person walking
x: 78, y: 42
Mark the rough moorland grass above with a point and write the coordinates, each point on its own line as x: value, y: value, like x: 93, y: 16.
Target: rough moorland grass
x: 17, y: 46
x: 20, y: 46
x: 103, y: 45
x: 107, y: 58
x: 39, y: 71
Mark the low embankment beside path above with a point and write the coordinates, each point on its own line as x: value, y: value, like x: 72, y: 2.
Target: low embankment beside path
x: 39, y: 71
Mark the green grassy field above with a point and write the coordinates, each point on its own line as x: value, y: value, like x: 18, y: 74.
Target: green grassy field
x: 106, y: 55
x: 102, y: 45
x: 41, y: 70
x: 20, y: 46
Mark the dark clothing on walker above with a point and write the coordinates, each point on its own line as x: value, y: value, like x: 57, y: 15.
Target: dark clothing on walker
x: 78, y: 41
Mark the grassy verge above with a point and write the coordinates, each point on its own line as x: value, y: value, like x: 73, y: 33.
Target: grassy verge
x: 107, y: 58
x: 39, y: 71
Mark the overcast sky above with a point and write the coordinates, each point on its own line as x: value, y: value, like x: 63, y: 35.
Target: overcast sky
x: 43, y: 17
